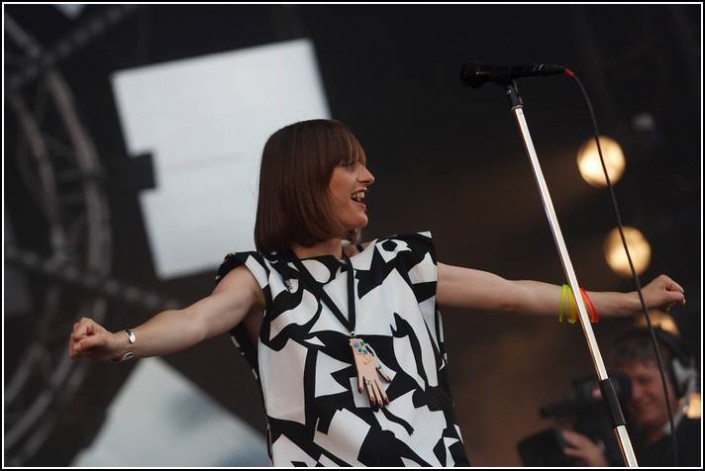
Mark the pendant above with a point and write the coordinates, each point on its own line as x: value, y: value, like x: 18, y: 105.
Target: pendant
x: 368, y: 372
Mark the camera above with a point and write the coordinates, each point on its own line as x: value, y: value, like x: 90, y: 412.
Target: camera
x: 588, y: 415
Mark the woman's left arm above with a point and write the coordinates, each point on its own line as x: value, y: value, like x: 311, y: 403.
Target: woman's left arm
x: 476, y: 289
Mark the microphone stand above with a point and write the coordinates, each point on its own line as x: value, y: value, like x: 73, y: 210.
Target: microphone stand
x: 606, y: 385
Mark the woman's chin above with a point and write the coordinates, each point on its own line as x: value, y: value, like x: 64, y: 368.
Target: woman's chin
x: 357, y: 224
x: 361, y: 225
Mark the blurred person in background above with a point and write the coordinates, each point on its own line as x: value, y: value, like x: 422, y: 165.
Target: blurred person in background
x: 646, y: 410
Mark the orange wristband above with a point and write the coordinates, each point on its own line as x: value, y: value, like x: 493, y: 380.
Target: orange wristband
x: 569, y: 307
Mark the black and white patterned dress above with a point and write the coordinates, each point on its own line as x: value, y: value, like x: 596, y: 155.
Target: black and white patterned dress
x: 306, y: 371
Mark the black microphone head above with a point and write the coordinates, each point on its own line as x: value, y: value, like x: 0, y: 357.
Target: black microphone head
x: 474, y: 74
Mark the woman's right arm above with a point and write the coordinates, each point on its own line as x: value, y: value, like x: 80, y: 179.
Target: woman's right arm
x: 237, y: 295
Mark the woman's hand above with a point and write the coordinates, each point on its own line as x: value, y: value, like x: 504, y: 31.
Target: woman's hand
x: 89, y: 339
x: 663, y: 293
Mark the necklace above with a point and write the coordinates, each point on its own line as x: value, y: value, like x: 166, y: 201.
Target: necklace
x: 368, y: 368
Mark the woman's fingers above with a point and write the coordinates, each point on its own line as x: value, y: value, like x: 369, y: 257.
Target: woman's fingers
x: 664, y: 293
x: 86, y: 334
x: 670, y: 285
x: 91, y: 342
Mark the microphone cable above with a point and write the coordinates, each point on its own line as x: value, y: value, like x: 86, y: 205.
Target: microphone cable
x: 620, y: 226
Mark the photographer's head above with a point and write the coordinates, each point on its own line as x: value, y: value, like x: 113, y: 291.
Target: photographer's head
x: 633, y: 355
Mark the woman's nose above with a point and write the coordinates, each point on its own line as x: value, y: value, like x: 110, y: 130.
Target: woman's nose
x: 366, y: 176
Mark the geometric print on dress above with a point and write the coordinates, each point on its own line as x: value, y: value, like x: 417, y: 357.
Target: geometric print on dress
x: 306, y: 372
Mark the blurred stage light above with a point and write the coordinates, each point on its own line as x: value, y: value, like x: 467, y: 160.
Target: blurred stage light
x: 639, y: 249
x: 590, y: 166
x: 693, y: 407
x: 71, y: 10
x: 660, y: 319
x: 205, y: 120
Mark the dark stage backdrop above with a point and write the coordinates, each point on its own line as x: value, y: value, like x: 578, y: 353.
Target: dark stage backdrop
x: 445, y: 159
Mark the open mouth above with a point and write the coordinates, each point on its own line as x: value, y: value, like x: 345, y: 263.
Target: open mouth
x: 358, y: 197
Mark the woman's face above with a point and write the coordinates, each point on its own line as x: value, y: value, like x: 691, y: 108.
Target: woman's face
x: 347, y: 190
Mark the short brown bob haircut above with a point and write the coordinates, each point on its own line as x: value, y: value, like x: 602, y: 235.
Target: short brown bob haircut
x: 297, y: 164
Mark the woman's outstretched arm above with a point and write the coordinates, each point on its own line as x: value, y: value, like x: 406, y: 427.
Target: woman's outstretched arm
x: 476, y: 289
x: 237, y: 295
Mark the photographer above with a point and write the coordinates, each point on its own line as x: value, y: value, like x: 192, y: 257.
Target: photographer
x: 646, y: 411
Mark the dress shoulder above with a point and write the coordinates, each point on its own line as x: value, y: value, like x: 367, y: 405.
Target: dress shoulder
x: 413, y: 254
x: 254, y: 262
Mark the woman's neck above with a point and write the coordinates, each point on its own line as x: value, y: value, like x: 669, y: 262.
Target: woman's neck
x: 332, y: 247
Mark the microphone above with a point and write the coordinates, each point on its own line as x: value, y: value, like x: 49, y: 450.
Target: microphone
x: 475, y: 74
x: 588, y: 394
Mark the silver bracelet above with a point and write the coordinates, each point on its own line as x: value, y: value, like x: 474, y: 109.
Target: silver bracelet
x: 132, y: 338
x: 125, y: 356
